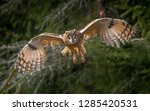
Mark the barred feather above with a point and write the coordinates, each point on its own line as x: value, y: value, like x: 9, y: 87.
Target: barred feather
x: 32, y: 56
x: 30, y: 59
x: 113, y: 32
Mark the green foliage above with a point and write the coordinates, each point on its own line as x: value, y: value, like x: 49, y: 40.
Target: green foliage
x: 107, y: 70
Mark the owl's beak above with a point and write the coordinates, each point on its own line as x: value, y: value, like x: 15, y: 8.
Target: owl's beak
x: 73, y: 39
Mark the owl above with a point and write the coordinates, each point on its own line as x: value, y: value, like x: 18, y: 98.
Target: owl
x: 113, y: 32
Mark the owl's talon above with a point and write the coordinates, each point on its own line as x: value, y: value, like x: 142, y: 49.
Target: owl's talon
x: 74, y: 60
x: 83, y: 60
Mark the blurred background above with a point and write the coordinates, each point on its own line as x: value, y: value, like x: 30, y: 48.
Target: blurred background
x: 107, y: 70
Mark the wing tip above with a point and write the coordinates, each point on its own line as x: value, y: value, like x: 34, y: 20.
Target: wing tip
x: 30, y: 60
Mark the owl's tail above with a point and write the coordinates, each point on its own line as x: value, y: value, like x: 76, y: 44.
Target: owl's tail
x: 30, y: 58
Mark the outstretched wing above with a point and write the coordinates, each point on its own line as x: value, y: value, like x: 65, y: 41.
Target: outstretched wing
x: 32, y: 56
x: 112, y: 31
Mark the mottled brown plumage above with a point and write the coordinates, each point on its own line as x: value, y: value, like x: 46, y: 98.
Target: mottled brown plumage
x: 113, y: 32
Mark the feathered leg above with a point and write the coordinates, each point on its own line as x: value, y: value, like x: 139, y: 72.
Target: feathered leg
x: 66, y: 51
x: 70, y: 50
x: 82, y: 52
x: 74, y: 54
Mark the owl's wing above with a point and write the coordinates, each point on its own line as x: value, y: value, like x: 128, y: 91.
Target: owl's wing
x: 32, y: 56
x: 112, y: 31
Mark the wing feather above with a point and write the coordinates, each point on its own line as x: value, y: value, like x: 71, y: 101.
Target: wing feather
x: 45, y: 39
x: 32, y: 56
x: 112, y: 31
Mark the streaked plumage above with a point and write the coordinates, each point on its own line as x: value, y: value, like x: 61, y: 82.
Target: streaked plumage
x: 113, y: 32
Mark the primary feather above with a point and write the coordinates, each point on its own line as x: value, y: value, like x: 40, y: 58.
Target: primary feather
x: 32, y: 56
x: 112, y: 31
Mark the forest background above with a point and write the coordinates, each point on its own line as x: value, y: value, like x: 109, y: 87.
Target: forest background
x: 107, y: 70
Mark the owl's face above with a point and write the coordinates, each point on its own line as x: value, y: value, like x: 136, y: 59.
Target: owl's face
x: 71, y: 37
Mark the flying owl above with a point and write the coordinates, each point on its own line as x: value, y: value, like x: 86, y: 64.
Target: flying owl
x: 113, y: 32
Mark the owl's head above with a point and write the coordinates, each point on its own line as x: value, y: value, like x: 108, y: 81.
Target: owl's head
x: 71, y: 37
